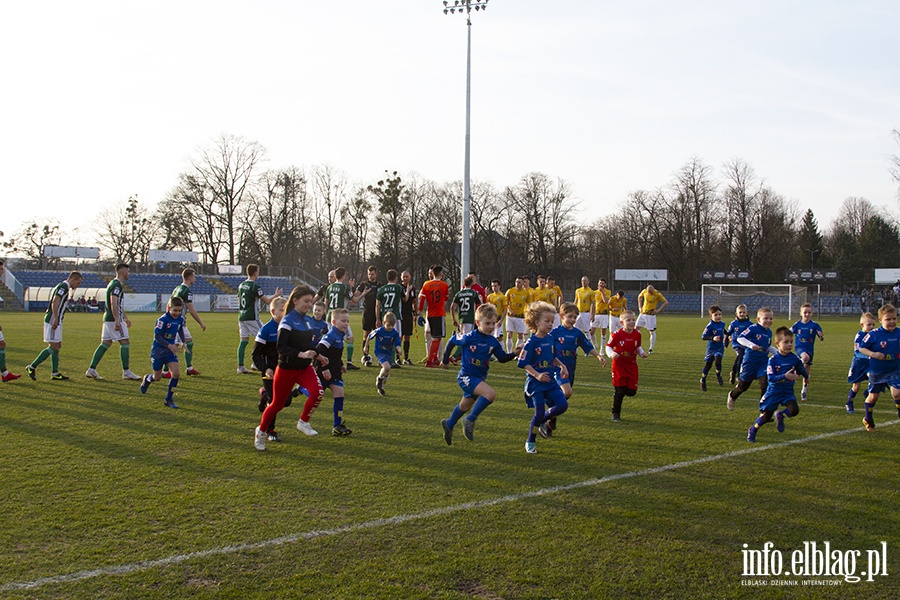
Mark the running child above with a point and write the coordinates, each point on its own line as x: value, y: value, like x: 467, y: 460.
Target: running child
x: 538, y: 358
x: 569, y: 339
x: 714, y: 334
x: 859, y: 367
x: 331, y: 374
x: 757, y: 341
x: 882, y: 346
x: 806, y: 331
x: 166, y: 346
x: 736, y: 328
x: 623, y: 348
x: 387, y: 342
x: 318, y: 323
x: 296, y: 351
x: 478, y: 348
x: 783, y: 369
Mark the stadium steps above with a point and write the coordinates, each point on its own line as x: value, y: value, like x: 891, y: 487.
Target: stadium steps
x: 221, y: 285
x: 10, y: 302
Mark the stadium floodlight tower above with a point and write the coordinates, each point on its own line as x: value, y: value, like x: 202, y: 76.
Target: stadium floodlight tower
x: 466, y: 7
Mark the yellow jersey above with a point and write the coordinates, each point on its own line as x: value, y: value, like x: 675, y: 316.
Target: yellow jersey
x: 650, y: 300
x: 558, y: 291
x: 516, y: 301
x: 498, y: 300
x: 584, y: 297
x: 601, y: 301
x: 617, y: 305
x: 544, y: 295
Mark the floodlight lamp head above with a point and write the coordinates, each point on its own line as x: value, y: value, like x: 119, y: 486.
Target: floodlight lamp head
x: 445, y: 3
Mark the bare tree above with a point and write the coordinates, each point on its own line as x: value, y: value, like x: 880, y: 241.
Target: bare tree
x: 31, y: 239
x: 330, y: 195
x: 545, y: 213
x: 127, y: 230
x: 227, y: 170
x: 278, y: 220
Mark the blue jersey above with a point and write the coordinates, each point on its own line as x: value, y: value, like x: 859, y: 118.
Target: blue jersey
x: 888, y: 343
x: 736, y: 328
x: 385, y: 342
x: 568, y: 341
x: 334, y: 338
x: 713, y: 329
x: 319, y: 326
x: 856, y: 342
x: 167, y: 329
x: 477, y: 349
x: 755, y: 360
x: 781, y: 389
x: 539, y: 352
x: 806, y: 334
x: 859, y: 366
x: 268, y: 333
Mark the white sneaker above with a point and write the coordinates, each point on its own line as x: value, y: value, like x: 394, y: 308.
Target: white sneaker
x: 530, y: 448
x: 304, y: 427
x: 730, y: 402
x: 253, y: 367
x: 242, y: 370
x: 259, y: 440
x: 126, y: 374
x: 92, y: 373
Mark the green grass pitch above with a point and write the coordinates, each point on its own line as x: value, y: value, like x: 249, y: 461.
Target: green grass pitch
x: 172, y: 504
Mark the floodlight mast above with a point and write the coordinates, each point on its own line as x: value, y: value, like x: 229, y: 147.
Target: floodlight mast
x: 466, y: 7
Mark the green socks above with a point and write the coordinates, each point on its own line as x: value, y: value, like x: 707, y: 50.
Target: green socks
x: 242, y: 349
x: 98, y: 354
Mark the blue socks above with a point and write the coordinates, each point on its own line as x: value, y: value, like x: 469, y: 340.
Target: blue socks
x: 338, y: 410
x: 480, y: 404
x: 455, y: 415
x: 173, y: 383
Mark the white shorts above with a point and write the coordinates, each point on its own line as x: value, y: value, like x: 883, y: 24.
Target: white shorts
x: 583, y: 322
x: 109, y: 333
x: 556, y: 320
x: 600, y: 322
x: 614, y: 324
x: 187, y: 334
x: 498, y: 331
x: 52, y: 335
x: 1, y: 336
x: 646, y: 321
x: 349, y: 333
x: 466, y: 328
x: 516, y: 325
x: 249, y: 329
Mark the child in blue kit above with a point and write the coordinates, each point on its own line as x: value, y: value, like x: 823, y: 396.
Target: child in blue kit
x: 757, y: 341
x: 538, y: 358
x: 783, y: 370
x: 478, y: 347
x: 568, y: 340
x: 163, y: 352
x: 387, y: 341
x: 331, y: 375
x: 859, y: 367
x: 806, y: 331
x: 714, y: 334
x: 736, y: 328
x: 882, y: 346
x: 318, y: 323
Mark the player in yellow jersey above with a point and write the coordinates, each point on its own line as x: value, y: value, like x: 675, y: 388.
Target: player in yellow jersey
x: 584, y: 301
x: 618, y: 303
x: 498, y: 299
x: 551, y: 283
x: 517, y: 300
x: 600, y: 313
x: 651, y: 302
x: 544, y: 293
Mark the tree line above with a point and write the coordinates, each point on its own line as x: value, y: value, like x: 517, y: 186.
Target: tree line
x: 231, y: 210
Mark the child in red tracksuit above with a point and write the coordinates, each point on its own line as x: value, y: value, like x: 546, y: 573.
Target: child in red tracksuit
x: 624, y: 347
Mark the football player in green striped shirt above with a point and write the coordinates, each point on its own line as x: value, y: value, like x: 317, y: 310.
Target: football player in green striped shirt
x: 389, y: 299
x: 183, y: 291
x: 249, y: 324
x: 115, y: 326
x: 53, y: 320
x: 462, y: 310
x: 340, y: 295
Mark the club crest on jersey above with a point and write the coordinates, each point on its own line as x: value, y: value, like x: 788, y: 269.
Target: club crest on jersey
x: 473, y: 348
x: 883, y: 344
x: 561, y: 340
x: 537, y: 350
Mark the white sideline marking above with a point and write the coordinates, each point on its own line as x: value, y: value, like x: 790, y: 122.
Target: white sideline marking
x: 399, y: 519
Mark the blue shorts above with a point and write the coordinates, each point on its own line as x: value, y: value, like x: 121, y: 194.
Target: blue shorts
x: 548, y: 397
x: 326, y: 382
x: 468, y: 383
x: 711, y: 355
x: 881, y: 381
x: 773, y: 402
x: 382, y: 358
x: 877, y: 388
x: 859, y: 370
x: 570, y: 379
x: 160, y: 357
x: 809, y: 351
x: 750, y: 372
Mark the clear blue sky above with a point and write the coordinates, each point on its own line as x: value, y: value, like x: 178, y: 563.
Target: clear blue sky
x: 105, y: 99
